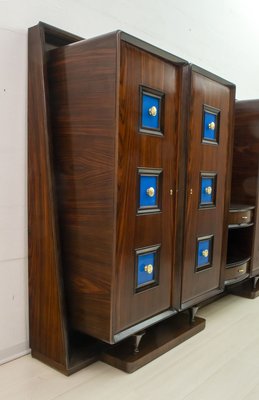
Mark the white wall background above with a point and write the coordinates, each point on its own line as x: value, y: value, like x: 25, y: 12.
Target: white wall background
x: 219, y: 35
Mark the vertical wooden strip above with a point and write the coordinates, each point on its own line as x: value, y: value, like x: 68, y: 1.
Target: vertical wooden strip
x: 48, y: 333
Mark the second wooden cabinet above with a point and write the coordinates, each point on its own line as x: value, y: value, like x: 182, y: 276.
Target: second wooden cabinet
x: 209, y: 154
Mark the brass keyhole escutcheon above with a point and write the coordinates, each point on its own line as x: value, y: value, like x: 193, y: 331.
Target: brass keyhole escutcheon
x: 148, y: 268
x: 151, y: 192
x: 205, y: 253
x: 212, y: 126
x: 208, y: 189
x: 152, y: 111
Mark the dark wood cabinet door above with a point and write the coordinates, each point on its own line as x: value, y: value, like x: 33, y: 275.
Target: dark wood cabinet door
x: 147, y: 170
x: 207, y: 186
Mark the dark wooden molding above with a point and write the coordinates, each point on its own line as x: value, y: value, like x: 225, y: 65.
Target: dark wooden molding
x: 49, y: 330
x: 212, y: 76
x: 151, y: 49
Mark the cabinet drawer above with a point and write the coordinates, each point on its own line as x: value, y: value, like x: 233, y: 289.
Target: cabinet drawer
x: 237, y: 217
x: 236, y: 271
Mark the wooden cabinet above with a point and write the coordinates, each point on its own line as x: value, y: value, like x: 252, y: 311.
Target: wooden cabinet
x: 209, y: 145
x: 129, y: 168
x: 243, y: 241
x: 115, y: 112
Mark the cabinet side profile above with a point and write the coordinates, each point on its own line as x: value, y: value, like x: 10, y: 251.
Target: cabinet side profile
x: 50, y: 339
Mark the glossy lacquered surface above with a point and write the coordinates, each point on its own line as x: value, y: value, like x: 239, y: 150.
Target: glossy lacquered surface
x: 46, y: 300
x: 208, y: 185
x: 50, y: 336
x: 113, y: 180
x: 142, y: 149
x: 127, y: 203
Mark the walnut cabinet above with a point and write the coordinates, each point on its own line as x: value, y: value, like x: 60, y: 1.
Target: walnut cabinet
x: 129, y: 182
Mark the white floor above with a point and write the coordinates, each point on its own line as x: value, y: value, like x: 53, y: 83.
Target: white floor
x: 220, y: 363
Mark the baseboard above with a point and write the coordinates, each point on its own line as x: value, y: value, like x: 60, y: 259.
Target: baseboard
x: 11, y: 353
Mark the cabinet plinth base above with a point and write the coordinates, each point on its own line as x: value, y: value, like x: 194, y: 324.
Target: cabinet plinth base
x: 245, y: 289
x: 158, y: 340
x: 83, y: 351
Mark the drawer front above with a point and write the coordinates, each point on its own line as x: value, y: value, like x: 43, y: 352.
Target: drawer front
x: 240, y: 217
x: 236, y: 272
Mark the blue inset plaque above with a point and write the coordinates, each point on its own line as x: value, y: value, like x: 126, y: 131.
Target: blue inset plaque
x: 210, y: 130
x: 145, y: 268
x: 204, y: 253
x: 150, y: 111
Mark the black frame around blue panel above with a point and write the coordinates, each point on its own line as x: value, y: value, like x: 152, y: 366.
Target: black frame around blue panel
x: 150, y: 173
x: 208, y: 263
x: 216, y: 117
x: 212, y: 203
x: 158, y: 99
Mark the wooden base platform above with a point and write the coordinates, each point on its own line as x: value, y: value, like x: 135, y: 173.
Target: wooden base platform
x: 244, y: 289
x: 157, y: 340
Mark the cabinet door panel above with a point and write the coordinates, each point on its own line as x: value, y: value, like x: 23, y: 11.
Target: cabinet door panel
x: 206, y: 185
x: 146, y: 173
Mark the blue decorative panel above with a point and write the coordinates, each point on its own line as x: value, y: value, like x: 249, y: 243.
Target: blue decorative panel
x: 210, y: 126
x: 203, y: 253
x: 145, y: 268
x: 207, y: 190
x: 148, y: 191
x: 150, y: 111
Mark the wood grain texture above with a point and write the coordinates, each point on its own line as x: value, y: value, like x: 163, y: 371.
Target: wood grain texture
x: 180, y: 192
x: 98, y: 148
x: 82, y: 82
x: 245, y: 176
x: 51, y: 340
x: 203, y: 157
x: 47, y: 315
x: 240, y: 216
x: 140, y: 150
x: 236, y: 272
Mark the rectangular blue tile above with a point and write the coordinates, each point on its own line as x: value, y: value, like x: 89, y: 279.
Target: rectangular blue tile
x: 151, y: 106
x: 210, y: 126
x: 145, y: 268
x: 207, y: 190
x: 203, y: 252
x: 148, y: 191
